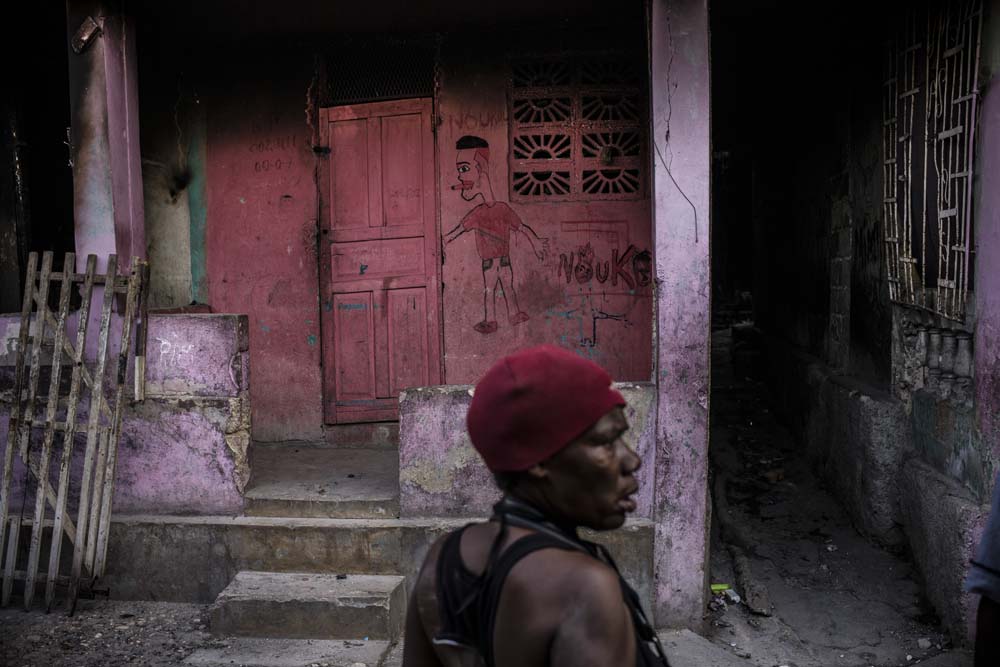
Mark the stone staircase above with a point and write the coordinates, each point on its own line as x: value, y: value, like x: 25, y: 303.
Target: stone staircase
x: 298, y: 618
x: 316, y: 569
x: 310, y: 606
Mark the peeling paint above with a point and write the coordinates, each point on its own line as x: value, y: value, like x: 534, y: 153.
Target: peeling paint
x: 438, y: 477
x: 238, y: 439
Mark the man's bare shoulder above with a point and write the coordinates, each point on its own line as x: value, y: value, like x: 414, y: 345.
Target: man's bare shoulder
x: 563, y: 608
x: 566, y: 574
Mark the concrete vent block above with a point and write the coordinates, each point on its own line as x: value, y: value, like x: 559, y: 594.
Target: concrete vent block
x: 310, y: 606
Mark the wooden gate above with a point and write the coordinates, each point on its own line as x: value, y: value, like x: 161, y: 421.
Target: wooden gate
x: 49, y: 419
x: 379, y: 258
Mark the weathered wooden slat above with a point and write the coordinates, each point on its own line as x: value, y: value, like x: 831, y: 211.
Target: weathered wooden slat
x: 94, y: 506
x: 24, y: 429
x: 121, y: 375
x: 41, y: 298
x: 50, y: 496
x: 45, y: 456
x: 12, y: 427
x: 85, y: 374
x: 60, y: 579
x: 55, y: 551
x: 14, y: 534
x: 142, y: 336
x: 56, y: 426
x: 121, y: 284
x: 84, y: 532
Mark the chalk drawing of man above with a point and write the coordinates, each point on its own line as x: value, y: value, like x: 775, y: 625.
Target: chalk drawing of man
x: 493, y: 222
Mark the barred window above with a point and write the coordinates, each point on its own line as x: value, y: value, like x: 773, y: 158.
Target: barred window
x: 930, y: 101
x: 577, y: 129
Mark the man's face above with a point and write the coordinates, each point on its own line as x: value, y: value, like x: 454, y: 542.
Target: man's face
x: 468, y: 173
x: 592, y: 480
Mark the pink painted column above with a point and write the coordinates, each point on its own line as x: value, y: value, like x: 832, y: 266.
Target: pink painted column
x: 987, y: 221
x: 681, y: 138
x: 107, y: 179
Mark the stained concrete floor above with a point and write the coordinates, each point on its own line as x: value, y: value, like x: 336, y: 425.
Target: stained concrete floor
x: 835, y: 598
x: 317, y: 480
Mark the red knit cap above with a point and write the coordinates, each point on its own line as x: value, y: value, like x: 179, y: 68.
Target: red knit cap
x: 533, y: 403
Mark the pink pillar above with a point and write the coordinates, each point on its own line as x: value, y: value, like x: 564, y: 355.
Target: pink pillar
x: 107, y: 180
x: 987, y: 221
x: 681, y: 138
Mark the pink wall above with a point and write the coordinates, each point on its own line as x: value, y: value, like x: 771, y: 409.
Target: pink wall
x: 474, y: 101
x: 185, y: 448
x: 107, y: 179
x: 682, y: 165
x: 440, y: 473
x: 260, y: 239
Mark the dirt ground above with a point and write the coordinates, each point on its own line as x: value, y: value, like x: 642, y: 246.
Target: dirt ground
x: 103, y: 633
x: 835, y: 599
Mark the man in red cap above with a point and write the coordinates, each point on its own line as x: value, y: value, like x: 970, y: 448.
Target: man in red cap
x: 522, y: 589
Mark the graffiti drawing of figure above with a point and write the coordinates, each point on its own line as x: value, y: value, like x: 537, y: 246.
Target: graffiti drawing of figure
x: 492, y: 221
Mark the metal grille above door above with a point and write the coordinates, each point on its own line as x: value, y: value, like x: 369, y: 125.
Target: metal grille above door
x: 373, y: 71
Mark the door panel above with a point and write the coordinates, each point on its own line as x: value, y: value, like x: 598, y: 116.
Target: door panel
x: 379, y: 258
x: 354, y: 350
x: 349, y: 182
x: 370, y: 260
x: 407, y: 317
x: 402, y: 190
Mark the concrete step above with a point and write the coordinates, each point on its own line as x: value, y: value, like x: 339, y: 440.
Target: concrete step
x: 683, y: 648
x: 262, y: 652
x: 376, y: 435
x: 152, y: 557
x: 319, y: 481
x: 290, y: 605
x: 687, y: 649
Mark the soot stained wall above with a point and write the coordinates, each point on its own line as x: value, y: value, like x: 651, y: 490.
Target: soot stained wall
x: 814, y: 136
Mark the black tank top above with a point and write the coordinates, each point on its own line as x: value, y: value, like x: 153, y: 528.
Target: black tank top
x: 467, y: 603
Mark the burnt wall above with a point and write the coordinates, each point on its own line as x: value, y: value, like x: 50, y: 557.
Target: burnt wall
x: 870, y: 313
x: 797, y: 134
x: 36, y: 188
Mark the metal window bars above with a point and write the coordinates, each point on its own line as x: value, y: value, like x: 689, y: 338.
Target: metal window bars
x: 577, y: 128
x: 38, y: 422
x: 930, y: 98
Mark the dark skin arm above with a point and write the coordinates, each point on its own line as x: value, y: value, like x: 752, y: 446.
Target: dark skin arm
x: 417, y: 648
x: 596, y: 629
x: 988, y: 633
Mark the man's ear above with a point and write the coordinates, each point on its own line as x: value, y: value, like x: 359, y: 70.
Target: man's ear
x: 538, y: 471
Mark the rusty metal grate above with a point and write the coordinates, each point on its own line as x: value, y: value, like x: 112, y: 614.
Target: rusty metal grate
x: 930, y: 99
x: 577, y: 128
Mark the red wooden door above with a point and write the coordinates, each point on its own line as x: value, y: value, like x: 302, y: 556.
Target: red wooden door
x: 379, y: 258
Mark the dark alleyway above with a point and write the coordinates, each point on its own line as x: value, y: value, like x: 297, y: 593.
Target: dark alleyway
x: 823, y: 594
